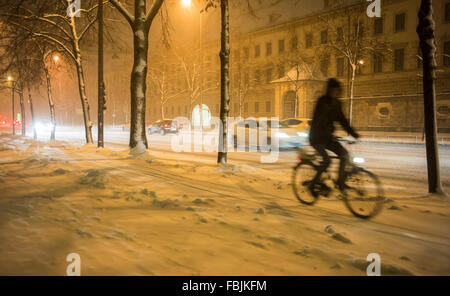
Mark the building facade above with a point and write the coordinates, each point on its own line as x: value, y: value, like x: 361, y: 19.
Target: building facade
x: 281, y: 70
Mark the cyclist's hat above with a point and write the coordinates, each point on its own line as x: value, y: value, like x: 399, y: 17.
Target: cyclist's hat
x: 333, y: 83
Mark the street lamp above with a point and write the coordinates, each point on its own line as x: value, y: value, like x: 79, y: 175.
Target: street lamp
x: 187, y: 3
x: 56, y: 58
x: 10, y: 79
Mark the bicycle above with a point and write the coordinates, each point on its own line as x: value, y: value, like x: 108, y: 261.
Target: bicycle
x: 362, y: 193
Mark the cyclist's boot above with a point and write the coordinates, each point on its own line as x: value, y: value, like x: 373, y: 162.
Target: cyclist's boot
x: 312, y: 190
x: 324, y: 190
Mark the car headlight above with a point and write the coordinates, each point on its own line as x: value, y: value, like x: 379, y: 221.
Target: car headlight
x: 358, y: 160
x: 300, y: 134
x: 282, y: 135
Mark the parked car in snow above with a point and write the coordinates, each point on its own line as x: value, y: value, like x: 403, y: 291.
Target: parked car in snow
x: 163, y: 127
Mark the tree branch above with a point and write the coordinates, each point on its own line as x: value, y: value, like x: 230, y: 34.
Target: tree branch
x: 123, y: 11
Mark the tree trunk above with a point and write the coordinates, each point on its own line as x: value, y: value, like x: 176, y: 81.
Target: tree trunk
x: 138, y: 78
x: 352, y: 84
x: 225, y: 82
x: 30, y: 101
x: 81, y: 83
x: 51, y: 104
x: 22, y: 111
x: 425, y: 30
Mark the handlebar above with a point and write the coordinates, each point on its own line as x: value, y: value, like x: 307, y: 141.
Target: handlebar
x: 348, y: 141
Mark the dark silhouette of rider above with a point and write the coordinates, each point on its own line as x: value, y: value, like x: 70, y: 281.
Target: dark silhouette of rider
x: 327, y: 111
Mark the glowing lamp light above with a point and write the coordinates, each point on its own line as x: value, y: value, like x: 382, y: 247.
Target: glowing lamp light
x: 56, y: 58
x: 186, y: 3
x: 9, y: 78
x: 361, y: 62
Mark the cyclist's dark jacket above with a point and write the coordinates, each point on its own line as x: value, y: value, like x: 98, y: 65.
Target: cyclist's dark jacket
x: 327, y: 111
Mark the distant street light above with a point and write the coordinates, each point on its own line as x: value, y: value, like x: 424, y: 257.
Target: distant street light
x: 56, y: 58
x: 9, y: 78
x: 186, y: 3
x: 361, y: 62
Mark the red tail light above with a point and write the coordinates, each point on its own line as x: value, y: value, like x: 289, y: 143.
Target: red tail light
x: 299, y: 159
x: 165, y: 125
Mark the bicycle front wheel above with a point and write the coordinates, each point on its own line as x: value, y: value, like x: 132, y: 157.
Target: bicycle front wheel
x: 364, y: 194
x: 303, y: 174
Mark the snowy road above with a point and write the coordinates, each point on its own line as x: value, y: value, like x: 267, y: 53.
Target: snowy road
x: 401, y: 164
x: 168, y: 213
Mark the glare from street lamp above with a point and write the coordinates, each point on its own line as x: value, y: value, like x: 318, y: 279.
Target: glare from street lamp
x: 56, y: 58
x: 361, y: 62
x: 9, y: 78
x: 186, y: 3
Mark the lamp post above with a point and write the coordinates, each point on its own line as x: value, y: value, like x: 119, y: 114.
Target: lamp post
x: 10, y: 79
x: 188, y: 3
x: 101, y: 84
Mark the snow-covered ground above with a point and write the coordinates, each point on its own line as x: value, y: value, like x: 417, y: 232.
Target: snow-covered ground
x: 167, y: 213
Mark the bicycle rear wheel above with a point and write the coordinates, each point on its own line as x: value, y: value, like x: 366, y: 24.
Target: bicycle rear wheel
x: 303, y: 174
x: 364, y: 195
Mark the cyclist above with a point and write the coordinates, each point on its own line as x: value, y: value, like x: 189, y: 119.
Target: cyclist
x: 327, y: 111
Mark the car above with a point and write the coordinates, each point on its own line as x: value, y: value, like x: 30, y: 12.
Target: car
x: 251, y: 132
x: 302, y: 125
x: 163, y: 127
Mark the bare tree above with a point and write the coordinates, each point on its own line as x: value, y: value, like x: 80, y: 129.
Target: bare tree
x: 351, y: 38
x: 57, y: 22
x: 159, y: 77
x: 425, y: 30
x: 140, y: 24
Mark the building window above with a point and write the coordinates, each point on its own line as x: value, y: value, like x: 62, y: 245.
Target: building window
x: 294, y: 43
x: 340, y: 67
x: 280, y: 70
x: 377, y: 63
x: 268, y: 106
x: 235, y: 107
x: 326, y: 3
x: 185, y: 109
x: 269, y: 75
x: 443, y: 110
x: 246, y: 78
x: 447, y: 53
x: 246, y: 53
x: 257, y: 76
x: 400, y: 20
x: 378, y: 26
x: 268, y: 48
x: 447, y: 12
x: 245, y: 107
x: 217, y: 108
x: 256, y: 107
x: 340, y: 33
x: 324, y: 66
x: 281, y: 46
x: 324, y: 37
x: 383, y: 112
x: 308, y: 40
x: 179, y: 109
x: 399, y: 59
x: 257, y: 51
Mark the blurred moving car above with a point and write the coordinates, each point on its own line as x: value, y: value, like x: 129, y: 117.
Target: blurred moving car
x: 251, y: 132
x: 302, y: 125
x: 163, y: 127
